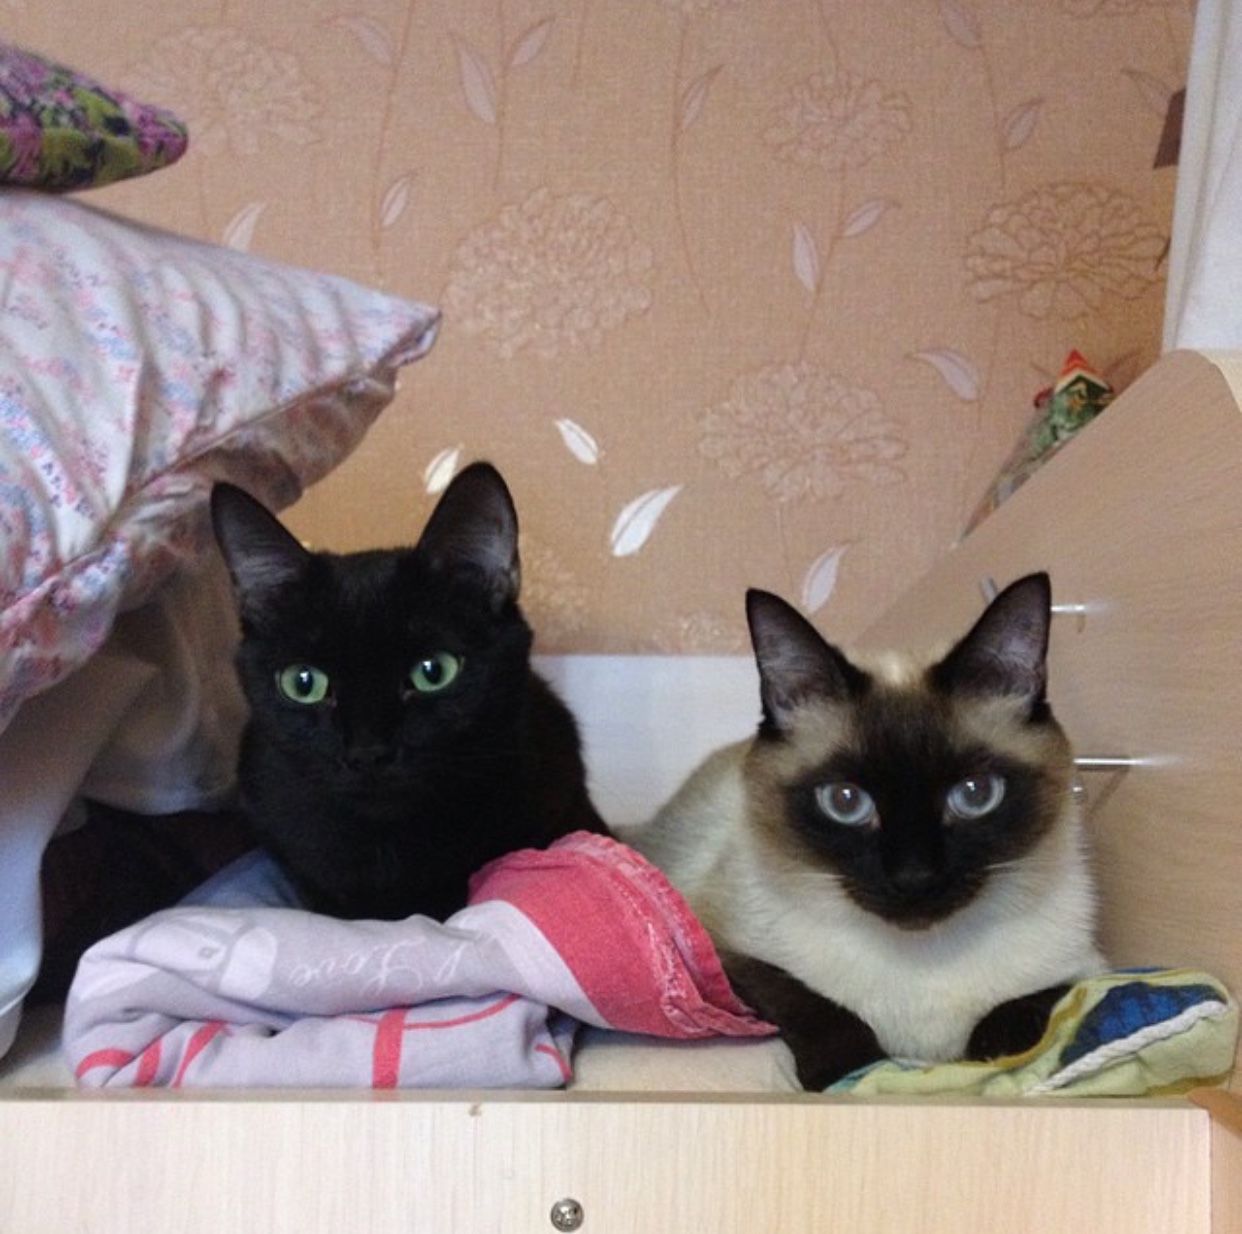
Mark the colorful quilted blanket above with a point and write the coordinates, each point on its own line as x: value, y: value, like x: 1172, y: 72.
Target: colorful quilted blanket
x: 1125, y: 1034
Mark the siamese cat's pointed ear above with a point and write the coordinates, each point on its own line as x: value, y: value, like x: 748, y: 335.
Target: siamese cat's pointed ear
x: 260, y: 552
x: 475, y: 525
x: 1005, y: 652
x: 796, y: 664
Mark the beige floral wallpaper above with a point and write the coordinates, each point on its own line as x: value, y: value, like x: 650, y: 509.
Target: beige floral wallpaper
x: 737, y: 292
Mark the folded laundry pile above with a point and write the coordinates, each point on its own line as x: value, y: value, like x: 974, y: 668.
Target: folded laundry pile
x: 241, y: 988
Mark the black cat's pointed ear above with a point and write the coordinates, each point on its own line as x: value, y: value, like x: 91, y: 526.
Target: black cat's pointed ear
x: 260, y: 552
x: 475, y: 525
x: 796, y: 664
x: 1005, y: 652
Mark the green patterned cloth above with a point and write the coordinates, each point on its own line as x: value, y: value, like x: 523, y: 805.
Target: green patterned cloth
x: 1126, y: 1034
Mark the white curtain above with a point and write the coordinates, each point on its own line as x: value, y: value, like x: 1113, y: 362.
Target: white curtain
x: 1203, y: 308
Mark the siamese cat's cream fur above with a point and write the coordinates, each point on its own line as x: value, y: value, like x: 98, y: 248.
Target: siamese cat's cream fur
x: 894, y: 865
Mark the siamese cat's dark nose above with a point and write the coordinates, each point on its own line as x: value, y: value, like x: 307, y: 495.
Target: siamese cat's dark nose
x: 914, y: 877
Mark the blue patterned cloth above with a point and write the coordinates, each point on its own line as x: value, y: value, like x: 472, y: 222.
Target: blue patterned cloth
x: 1137, y: 1032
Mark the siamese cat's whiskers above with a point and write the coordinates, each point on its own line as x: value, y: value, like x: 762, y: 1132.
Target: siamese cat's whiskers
x: 1025, y: 864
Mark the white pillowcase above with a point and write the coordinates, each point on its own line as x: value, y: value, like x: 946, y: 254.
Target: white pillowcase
x: 136, y: 368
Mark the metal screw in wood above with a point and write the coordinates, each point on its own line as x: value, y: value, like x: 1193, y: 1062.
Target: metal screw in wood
x: 567, y: 1214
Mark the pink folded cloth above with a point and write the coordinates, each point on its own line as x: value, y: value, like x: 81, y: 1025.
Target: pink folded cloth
x: 241, y: 988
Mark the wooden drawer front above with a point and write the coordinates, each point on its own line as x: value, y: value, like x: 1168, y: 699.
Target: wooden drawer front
x: 132, y: 1166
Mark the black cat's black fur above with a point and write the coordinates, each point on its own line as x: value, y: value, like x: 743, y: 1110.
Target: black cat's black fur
x: 398, y: 738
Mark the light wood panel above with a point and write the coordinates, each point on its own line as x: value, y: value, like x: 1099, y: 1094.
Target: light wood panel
x: 281, y: 1166
x: 1226, y: 1111
x: 1226, y: 1178
x: 1140, y: 521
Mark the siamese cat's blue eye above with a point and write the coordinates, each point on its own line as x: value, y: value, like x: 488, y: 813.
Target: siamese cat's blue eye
x: 303, y: 683
x: 845, y: 803
x: 976, y: 795
x: 436, y: 672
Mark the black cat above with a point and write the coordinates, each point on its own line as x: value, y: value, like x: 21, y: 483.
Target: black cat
x: 398, y: 737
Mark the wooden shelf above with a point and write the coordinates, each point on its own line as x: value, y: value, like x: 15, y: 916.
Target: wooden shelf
x: 146, y: 1165
x: 1140, y: 521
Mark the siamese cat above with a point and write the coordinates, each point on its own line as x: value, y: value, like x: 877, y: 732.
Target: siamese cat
x: 894, y: 865
x: 398, y: 737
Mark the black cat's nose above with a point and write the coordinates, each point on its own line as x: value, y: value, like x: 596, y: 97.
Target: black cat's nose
x: 372, y: 756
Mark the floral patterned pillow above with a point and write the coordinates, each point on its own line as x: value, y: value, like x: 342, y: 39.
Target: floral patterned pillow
x: 61, y: 130
x: 137, y: 367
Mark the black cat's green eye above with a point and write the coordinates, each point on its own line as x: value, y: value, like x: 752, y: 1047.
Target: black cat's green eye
x: 436, y: 672
x: 845, y: 803
x: 976, y: 796
x: 304, y: 683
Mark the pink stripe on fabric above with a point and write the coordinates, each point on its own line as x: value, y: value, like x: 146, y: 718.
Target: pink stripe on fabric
x: 567, y: 1072
x: 198, y: 1043
x: 386, y: 1054
x: 473, y: 1018
x: 148, y: 1065
x: 112, y: 1059
x: 485, y: 1013
x: 390, y: 1033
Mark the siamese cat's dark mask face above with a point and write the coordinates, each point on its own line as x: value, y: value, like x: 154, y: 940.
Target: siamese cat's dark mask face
x: 909, y: 783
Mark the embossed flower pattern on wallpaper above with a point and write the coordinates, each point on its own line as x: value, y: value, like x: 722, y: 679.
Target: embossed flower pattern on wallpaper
x: 1066, y: 249
x: 735, y: 293
x: 837, y: 123
x: 551, y: 274
x: 552, y: 590
x: 803, y: 433
x: 241, y: 91
x: 1089, y: 8
x: 694, y: 8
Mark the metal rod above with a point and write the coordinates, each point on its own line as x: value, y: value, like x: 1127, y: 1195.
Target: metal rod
x: 988, y: 586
